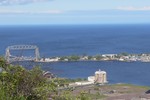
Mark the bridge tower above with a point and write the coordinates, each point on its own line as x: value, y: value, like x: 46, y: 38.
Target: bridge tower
x: 37, y: 54
x: 7, y: 55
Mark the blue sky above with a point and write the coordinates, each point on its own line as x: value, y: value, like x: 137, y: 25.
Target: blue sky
x: 74, y: 12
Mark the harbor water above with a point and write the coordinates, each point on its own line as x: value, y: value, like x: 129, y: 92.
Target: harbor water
x: 63, y: 40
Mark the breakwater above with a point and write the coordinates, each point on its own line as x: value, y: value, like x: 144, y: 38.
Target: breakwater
x: 144, y: 57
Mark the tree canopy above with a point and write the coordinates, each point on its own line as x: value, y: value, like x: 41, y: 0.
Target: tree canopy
x: 18, y: 83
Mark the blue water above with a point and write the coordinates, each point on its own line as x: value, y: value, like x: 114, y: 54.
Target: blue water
x: 117, y: 72
x: 78, y: 39
x: 62, y: 40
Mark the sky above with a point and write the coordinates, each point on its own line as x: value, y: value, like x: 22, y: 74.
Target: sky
x: 38, y: 12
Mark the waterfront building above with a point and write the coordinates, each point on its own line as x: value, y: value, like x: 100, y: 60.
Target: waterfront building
x: 84, y: 83
x: 91, y: 79
x: 100, y: 77
x: 109, y: 55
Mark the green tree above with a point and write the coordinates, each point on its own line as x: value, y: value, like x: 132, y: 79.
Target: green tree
x: 90, y: 57
x: 17, y: 83
x: 98, y: 57
x: 124, y: 54
x: 74, y: 58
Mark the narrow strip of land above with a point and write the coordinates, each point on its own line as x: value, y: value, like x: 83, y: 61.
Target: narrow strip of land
x: 101, y: 57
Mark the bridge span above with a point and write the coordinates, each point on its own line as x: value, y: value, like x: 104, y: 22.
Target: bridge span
x: 10, y: 58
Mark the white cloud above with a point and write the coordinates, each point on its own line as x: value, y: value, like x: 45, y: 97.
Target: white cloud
x: 14, y: 2
x: 8, y: 11
x: 131, y: 8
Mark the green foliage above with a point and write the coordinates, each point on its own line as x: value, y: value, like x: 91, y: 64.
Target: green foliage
x: 124, y: 54
x: 63, y: 58
x: 70, y: 58
x: 90, y: 57
x: 3, y: 63
x: 17, y: 83
x: 84, y: 96
x: 67, y: 81
x: 73, y: 58
x: 98, y: 57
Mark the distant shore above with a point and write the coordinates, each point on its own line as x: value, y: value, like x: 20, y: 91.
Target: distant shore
x: 125, y: 57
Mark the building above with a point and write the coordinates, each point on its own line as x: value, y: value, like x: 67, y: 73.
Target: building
x: 84, y: 83
x: 100, y: 77
x: 91, y: 79
x: 48, y: 74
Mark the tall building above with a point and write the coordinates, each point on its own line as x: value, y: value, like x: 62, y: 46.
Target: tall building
x: 100, y: 77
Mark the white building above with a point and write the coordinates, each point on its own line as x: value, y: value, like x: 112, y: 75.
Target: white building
x: 100, y: 77
x: 91, y: 79
x: 84, y: 83
x: 109, y: 55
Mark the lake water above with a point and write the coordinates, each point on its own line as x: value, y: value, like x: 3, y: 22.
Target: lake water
x: 117, y: 72
x: 60, y: 40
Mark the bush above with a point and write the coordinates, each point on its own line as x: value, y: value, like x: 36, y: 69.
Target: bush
x: 17, y: 83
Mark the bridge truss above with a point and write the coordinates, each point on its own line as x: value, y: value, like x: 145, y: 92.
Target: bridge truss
x: 11, y: 58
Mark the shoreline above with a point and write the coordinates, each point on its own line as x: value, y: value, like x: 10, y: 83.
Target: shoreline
x: 123, y: 57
